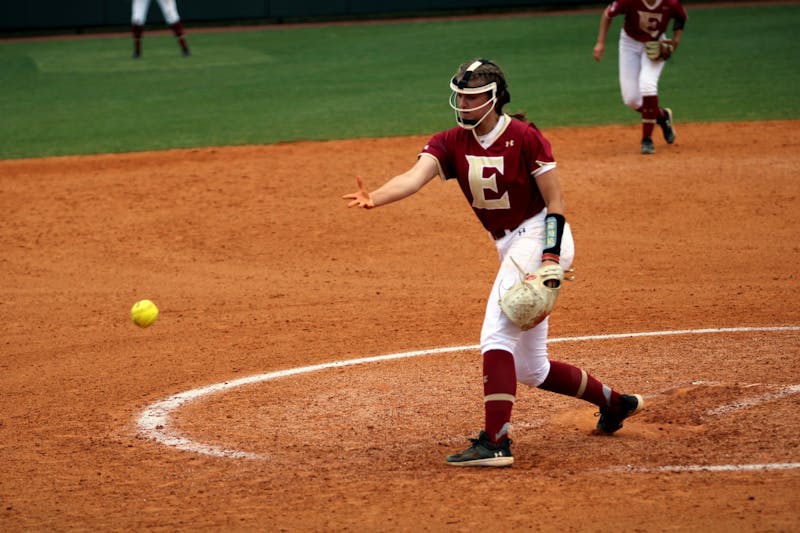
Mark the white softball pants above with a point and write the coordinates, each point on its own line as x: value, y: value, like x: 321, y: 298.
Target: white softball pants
x: 140, y: 7
x: 638, y: 74
x: 525, y: 245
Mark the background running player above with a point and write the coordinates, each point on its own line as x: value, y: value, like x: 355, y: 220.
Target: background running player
x: 506, y: 170
x: 139, y: 16
x: 645, y: 21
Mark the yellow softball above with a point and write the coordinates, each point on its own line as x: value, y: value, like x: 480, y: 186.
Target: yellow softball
x: 144, y: 313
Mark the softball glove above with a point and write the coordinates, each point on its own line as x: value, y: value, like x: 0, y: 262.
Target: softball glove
x: 532, y: 299
x: 659, y: 50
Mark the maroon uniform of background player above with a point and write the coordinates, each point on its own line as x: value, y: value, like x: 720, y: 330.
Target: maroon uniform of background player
x: 638, y: 74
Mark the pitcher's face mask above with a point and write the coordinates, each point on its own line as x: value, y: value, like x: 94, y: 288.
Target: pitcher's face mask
x: 460, y: 87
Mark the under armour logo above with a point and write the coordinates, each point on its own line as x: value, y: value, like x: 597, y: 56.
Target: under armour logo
x: 510, y: 143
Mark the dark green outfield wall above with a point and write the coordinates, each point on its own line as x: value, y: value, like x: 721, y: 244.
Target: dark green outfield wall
x: 75, y: 14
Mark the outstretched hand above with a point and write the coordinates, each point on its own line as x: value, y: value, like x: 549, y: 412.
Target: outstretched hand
x: 360, y: 198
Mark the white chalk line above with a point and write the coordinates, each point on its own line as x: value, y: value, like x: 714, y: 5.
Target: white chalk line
x: 705, y: 468
x: 154, y: 421
x: 743, y: 404
x: 750, y: 402
x: 721, y: 410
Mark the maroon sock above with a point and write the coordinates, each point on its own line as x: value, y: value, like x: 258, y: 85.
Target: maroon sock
x: 572, y: 381
x: 649, y: 115
x: 499, y: 392
x: 177, y: 29
x: 137, y: 38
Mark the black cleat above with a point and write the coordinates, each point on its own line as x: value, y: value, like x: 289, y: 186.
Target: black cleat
x: 647, y: 146
x: 483, y: 453
x: 666, y: 126
x: 611, y: 420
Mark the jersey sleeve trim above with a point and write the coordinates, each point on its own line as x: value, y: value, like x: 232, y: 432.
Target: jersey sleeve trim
x: 442, y: 175
x: 544, y: 166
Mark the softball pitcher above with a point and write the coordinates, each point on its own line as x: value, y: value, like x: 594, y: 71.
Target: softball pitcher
x: 169, y: 10
x: 505, y: 168
x: 643, y: 49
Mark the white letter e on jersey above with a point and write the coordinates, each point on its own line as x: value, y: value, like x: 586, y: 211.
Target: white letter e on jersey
x: 478, y: 184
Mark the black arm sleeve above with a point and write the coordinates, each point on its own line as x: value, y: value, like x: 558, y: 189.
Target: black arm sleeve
x: 553, y: 230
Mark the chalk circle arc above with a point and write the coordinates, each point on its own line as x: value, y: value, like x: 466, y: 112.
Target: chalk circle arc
x: 154, y: 421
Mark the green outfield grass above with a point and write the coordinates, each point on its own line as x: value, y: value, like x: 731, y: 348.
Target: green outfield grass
x: 84, y: 96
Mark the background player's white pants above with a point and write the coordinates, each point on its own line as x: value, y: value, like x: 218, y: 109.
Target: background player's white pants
x: 525, y: 245
x: 638, y: 74
x: 139, y: 11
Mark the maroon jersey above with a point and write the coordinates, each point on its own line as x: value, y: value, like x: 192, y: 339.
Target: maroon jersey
x: 497, y: 181
x: 646, y: 20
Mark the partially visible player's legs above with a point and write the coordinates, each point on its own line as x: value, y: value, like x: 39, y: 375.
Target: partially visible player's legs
x: 170, y: 11
x: 532, y: 365
x: 632, y: 61
x: 653, y: 114
x: 137, y: 40
x: 499, y: 393
x: 536, y: 370
x: 177, y: 29
x: 138, y: 15
x: 570, y: 380
x: 649, y: 75
x: 530, y: 353
x: 630, y: 53
x: 649, y: 115
x: 573, y: 381
x: 499, y: 337
x: 493, y: 446
x: 664, y: 120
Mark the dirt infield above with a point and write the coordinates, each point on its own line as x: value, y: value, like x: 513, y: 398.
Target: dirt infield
x: 258, y: 267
